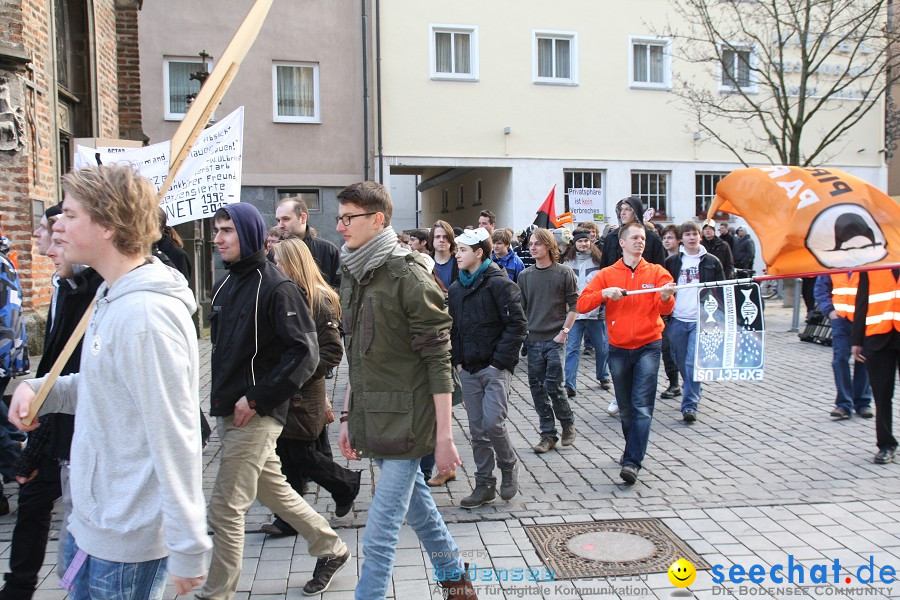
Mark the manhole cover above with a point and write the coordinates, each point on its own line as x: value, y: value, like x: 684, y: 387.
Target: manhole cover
x: 609, y: 548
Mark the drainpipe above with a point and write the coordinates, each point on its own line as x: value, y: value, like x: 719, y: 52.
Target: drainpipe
x: 365, y: 66
x: 378, y: 88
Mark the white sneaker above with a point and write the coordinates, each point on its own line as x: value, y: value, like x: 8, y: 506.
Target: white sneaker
x: 613, y: 408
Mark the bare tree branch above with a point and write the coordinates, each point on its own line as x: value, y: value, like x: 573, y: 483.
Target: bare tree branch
x: 816, y: 69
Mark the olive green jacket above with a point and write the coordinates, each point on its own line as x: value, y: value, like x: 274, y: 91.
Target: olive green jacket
x: 397, y: 340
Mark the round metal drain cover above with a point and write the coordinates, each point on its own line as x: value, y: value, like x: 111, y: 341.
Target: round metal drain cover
x: 611, y: 546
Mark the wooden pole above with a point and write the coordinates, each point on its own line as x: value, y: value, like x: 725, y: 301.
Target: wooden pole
x: 194, y: 122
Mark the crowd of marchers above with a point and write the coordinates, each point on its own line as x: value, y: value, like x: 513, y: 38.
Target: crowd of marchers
x: 425, y: 319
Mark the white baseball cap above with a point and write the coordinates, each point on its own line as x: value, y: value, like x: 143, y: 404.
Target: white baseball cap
x: 473, y: 237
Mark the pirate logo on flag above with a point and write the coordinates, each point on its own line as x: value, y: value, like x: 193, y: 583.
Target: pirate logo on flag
x: 810, y: 218
x: 846, y: 235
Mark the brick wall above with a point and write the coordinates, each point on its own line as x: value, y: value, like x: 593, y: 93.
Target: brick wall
x: 128, y: 71
x: 31, y: 173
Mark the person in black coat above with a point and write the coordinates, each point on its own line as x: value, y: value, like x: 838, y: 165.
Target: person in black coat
x: 487, y: 333
x: 628, y: 210
x: 718, y: 248
x: 744, y: 250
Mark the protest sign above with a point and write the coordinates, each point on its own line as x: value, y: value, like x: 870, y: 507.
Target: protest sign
x: 210, y: 176
x: 587, y: 204
x: 730, y: 334
x: 151, y: 161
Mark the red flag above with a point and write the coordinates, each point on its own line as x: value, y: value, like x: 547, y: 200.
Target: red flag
x: 546, y: 214
x: 811, y: 219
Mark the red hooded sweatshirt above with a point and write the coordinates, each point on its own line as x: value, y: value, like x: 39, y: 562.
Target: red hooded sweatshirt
x: 633, y: 321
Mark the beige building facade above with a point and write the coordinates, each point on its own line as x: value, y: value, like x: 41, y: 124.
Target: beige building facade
x: 306, y: 129
x: 492, y: 105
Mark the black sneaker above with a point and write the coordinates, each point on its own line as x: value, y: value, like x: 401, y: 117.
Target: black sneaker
x: 273, y: 530
x: 671, y: 392
x: 482, y: 494
x: 570, y: 392
x: 325, y: 570
x: 690, y: 416
x: 885, y: 456
x: 629, y: 474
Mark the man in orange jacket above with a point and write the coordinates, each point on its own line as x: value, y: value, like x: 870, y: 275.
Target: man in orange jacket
x: 635, y: 337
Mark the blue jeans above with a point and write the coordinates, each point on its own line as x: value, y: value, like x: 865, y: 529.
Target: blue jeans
x: 683, y: 341
x: 852, y: 392
x: 401, y: 493
x: 634, y: 375
x: 595, y: 331
x: 106, y: 580
x: 545, y: 377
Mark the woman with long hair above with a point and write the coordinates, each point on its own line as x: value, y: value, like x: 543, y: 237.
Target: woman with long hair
x: 309, y: 408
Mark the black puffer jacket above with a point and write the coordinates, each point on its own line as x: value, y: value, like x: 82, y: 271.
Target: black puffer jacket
x: 489, y: 324
x: 264, y: 340
x: 306, y: 411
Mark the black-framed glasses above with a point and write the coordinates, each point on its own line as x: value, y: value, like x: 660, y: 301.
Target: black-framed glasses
x: 345, y: 219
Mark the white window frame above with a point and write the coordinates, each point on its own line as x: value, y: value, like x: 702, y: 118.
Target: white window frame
x: 317, y: 112
x: 754, y: 61
x: 595, y: 174
x: 472, y: 31
x: 167, y: 114
x: 697, y: 195
x: 666, y: 44
x: 572, y: 36
x: 663, y: 215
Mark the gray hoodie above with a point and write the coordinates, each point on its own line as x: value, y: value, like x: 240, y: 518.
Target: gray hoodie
x: 136, y: 457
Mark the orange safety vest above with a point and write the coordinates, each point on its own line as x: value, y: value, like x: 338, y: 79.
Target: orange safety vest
x: 884, y: 303
x: 843, y: 294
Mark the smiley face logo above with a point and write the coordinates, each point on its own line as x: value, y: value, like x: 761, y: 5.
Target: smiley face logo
x: 682, y: 573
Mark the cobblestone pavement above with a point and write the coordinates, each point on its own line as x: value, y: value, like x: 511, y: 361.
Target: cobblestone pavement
x: 763, y: 474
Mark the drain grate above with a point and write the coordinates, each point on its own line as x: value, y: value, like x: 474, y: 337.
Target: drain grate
x: 610, y: 548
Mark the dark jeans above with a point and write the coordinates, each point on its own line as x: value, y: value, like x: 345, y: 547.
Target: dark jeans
x: 852, y: 391
x: 668, y: 359
x: 304, y: 460
x: 32, y: 531
x: 545, y: 377
x: 883, y: 368
x: 634, y: 374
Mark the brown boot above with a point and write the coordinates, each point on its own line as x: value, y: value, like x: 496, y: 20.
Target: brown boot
x: 459, y: 589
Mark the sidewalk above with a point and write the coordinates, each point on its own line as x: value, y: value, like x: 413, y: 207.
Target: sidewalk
x: 763, y: 474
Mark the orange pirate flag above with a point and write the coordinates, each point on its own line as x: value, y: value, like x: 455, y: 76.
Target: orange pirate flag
x: 813, y: 219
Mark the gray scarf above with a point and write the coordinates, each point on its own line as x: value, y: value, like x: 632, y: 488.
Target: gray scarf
x: 371, y: 255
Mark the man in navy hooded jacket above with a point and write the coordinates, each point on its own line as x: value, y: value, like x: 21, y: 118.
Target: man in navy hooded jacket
x: 264, y: 349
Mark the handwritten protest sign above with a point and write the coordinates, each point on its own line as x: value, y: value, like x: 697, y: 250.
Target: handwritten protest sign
x: 210, y: 176
x: 586, y: 204
x: 151, y: 161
